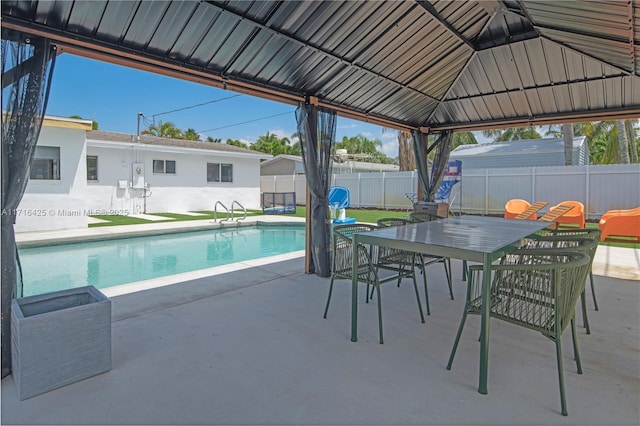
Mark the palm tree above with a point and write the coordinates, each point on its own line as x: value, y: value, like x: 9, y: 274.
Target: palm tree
x: 463, y: 138
x: 272, y: 144
x: 191, y: 135
x: 567, y: 136
x: 406, y: 156
x: 623, y: 143
x: 235, y: 142
x: 163, y: 130
x: 362, y: 145
x: 633, y: 144
x: 512, y: 134
x: 605, y: 146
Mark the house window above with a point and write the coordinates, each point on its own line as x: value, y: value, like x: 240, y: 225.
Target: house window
x: 217, y: 172
x: 92, y: 167
x: 46, y: 163
x: 164, y: 166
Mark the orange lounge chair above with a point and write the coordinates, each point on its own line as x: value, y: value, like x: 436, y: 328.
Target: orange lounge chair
x: 620, y: 223
x: 530, y: 213
x: 610, y: 213
x: 574, y: 216
x: 554, y: 214
x: 514, y: 207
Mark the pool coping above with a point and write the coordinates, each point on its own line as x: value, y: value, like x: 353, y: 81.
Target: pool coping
x: 167, y: 280
x: 101, y: 233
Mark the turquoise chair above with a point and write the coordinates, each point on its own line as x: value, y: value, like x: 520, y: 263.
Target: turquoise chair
x: 340, y: 199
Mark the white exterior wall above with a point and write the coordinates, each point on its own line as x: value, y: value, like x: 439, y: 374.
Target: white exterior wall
x: 57, y: 204
x: 186, y: 190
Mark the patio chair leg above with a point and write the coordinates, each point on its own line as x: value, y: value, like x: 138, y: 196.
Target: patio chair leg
x: 447, y: 271
x: 464, y: 270
x: 415, y: 286
x: 593, y: 291
x: 326, y: 308
x: 426, y: 290
x: 585, y: 317
x: 455, y: 343
x: 576, y: 352
x: 379, y: 313
x: 563, y: 400
x: 462, y: 321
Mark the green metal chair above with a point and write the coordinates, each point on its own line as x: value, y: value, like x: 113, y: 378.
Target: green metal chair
x: 368, y: 267
x: 589, y: 233
x: 426, y: 260
x: 586, y: 242
x: 536, y: 289
x: 399, y: 258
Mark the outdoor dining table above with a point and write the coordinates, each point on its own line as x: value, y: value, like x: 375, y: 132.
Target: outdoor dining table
x: 473, y: 238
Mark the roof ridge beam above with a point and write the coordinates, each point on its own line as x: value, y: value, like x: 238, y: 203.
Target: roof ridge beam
x: 436, y: 15
x: 323, y: 51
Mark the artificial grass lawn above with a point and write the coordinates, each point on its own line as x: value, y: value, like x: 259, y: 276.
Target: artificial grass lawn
x: 171, y: 217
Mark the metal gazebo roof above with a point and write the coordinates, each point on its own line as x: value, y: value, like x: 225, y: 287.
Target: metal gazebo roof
x: 434, y: 65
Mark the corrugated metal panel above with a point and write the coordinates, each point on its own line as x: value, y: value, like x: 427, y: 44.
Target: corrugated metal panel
x: 468, y: 17
x: 505, y: 28
x: 440, y: 64
x: 599, y: 28
x: 525, y: 153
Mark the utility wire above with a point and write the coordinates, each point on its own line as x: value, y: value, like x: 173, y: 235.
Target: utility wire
x: 244, y: 122
x: 197, y: 105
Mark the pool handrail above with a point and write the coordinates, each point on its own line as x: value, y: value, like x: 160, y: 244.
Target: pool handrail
x: 215, y: 212
x: 243, y: 209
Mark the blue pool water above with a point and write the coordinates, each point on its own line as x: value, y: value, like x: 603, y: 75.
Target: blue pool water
x: 114, y: 262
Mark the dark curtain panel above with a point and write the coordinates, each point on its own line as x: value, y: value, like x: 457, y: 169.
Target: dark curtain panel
x: 420, y: 152
x: 317, y: 130
x: 440, y: 161
x: 27, y: 67
x: 430, y: 182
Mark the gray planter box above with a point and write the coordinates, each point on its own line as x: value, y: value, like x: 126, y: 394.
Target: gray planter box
x: 59, y: 338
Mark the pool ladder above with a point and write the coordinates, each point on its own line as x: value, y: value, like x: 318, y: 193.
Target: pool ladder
x: 230, y: 215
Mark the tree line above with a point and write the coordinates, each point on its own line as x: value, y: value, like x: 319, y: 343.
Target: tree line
x: 274, y: 145
x: 609, y: 142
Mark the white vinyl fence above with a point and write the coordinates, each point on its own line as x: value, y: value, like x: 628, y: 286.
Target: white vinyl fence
x: 485, y: 191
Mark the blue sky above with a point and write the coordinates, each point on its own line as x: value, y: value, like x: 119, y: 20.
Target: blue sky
x: 113, y: 95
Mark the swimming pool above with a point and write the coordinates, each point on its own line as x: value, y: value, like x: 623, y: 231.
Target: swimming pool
x: 111, y: 263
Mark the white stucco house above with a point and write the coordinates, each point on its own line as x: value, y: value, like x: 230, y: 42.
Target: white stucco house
x: 168, y: 175
x: 78, y: 172
x: 55, y: 196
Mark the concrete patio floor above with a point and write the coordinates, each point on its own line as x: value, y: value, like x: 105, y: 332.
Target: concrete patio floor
x: 251, y: 347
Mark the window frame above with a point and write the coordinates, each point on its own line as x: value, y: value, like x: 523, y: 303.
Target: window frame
x: 220, y: 173
x: 164, y: 167
x: 96, y: 168
x: 51, y: 164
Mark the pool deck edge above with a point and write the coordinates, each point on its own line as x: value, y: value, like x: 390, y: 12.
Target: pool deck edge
x: 68, y: 236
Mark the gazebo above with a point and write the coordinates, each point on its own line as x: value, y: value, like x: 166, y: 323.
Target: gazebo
x: 420, y: 66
